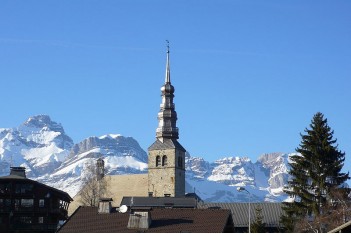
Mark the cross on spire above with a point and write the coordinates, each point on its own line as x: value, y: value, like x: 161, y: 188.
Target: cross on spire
x: 168, y: 73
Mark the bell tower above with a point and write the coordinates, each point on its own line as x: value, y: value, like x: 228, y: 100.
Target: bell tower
x: 166, y: 162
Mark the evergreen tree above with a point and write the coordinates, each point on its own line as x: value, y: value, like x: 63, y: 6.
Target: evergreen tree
x: 314, y: 172
x: 258, y: 225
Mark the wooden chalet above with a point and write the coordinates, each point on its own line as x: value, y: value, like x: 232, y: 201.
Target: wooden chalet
x: 29, y: 206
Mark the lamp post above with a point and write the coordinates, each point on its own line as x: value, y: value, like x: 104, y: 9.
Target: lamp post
x: 240, y: 189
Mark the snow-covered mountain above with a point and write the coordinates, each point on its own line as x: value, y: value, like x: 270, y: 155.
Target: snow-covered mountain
x: 218, y: 181
x: 39, y: 144
x: 122, y: 155
x: 51, y: 157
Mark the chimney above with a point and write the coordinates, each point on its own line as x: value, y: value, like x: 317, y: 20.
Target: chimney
x: 18, y: 171
x: 140, y: 220
x: 105, y: 206
x: 100, y: 168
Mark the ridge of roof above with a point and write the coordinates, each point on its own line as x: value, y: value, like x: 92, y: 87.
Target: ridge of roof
x: 16, y: 177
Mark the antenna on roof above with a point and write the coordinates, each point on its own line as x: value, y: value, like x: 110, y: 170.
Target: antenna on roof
x: 123, y: 209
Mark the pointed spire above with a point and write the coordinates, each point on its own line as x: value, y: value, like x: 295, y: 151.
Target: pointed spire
x: 168, y: 73
x: 167, y: 116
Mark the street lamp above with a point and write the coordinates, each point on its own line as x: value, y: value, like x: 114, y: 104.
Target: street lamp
x: 240, y: 189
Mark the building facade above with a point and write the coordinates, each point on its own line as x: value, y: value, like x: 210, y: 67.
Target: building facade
x: 166, y: 159
x: 29, y: 206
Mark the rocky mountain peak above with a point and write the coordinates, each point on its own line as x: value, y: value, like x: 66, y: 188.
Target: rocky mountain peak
x: 111, y: 144
x: 43, y: 122
x: 233, y: 160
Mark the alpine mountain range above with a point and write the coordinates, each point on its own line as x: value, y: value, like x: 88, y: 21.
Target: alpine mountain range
x: 51, y: 157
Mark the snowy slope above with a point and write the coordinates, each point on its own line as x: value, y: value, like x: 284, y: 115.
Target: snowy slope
x: 218, y: 181
x: 122, y: 155
x: 39, y: 144
x: 51, y: 157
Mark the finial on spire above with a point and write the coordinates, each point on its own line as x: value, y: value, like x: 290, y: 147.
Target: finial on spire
x: 168, y: 73
x: 167, y: 41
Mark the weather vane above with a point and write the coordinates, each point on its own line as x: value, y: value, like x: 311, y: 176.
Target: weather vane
x: 167, y: 41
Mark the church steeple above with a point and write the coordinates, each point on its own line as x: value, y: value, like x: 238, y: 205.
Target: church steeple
x: 167, y: 116
x: 166, y: 161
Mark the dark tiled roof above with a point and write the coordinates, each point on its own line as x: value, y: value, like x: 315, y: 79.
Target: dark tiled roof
x: 87, y: 219
x: 179, y: 202
x: 17, y: 177
x: 271, y: 212
x: 167, y: 144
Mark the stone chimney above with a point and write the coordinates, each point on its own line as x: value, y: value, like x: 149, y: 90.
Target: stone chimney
x: 140, y: 220
x: 105, y: 205
x: 18, y: 171
x: 100, y: 169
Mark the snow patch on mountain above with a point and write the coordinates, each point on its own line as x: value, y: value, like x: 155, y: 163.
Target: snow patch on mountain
x: 233, y: 171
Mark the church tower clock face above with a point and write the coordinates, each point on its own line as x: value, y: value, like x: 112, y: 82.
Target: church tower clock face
x: 166, y: 160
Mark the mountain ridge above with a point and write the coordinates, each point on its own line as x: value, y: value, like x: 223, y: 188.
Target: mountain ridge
x: 51, y: 157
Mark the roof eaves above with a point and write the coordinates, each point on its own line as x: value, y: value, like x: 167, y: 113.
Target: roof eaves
x: 69, y: 218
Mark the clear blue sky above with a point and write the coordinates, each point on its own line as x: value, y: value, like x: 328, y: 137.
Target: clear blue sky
x: 249, y: 75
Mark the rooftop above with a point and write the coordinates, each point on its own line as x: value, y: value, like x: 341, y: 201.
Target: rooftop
x: 87, y: 219
x: 271, y: 212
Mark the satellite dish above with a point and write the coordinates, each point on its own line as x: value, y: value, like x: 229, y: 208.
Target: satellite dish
x: 123, y: 209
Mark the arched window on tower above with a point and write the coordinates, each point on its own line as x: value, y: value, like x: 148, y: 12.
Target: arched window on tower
x: 164, y: 160
x: 158, y: 161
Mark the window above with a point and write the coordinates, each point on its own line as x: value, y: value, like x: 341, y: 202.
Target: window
x: 17, y: 204
x: 7, y: 203
x: 41, y: 202
x: 167, y: 195
x: 164, y: 160
x: 40, y: 219
x: 5, y: 188
x: 158, y: 161
x: 25, y: 219
x: 27, y: 202
x: 24, y: 188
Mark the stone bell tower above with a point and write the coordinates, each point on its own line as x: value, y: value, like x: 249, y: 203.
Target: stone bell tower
x: 166, y: 173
